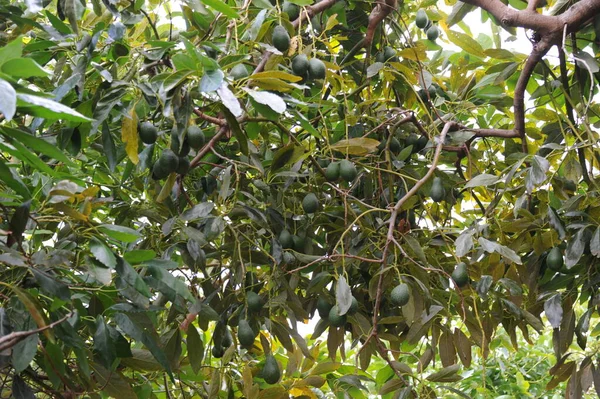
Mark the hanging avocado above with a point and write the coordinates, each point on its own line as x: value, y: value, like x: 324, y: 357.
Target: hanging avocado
x: 270, y: 372
x: 400, y: 295
x: 421, y: 19
x: 437, y: 193
x: 281, y: 39
x: 460, y: 275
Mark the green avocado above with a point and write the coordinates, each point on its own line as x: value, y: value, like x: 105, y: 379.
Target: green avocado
x: 298, y: 243
x: 245, y: 333
x: 288, y: 258
x: 335, y: 319
x: 227, y: 340
x: 437, y: 193
x: 270, y: 372
x: 421, y: 19
x: 316, y: 69
x: 555, y: 260
x: 310, y: 203
x: 348, y: 171
x: 195, y: 137
x: 400, y: 295
x: 159, y: 172
x: 240, y: 71
x: 421, y: 143
x: 332, y: 172
x: 433, y: 33
x: 291, y: 9
x: 323, y: 307
x: 183, y: 166
x: 300, y: 65
x: 353, y: 307
x: 395, y: 146
x: 281, y: 39
x: 254, y: 301
x: 388, y: 53
x: 217, y: 351
x: 168, y: 161
x: 148, y: 133
x: 178, y: 148
x: 460, y: 275
x: 286, y: 239
x: 412, y: 139
x: 380, y: 57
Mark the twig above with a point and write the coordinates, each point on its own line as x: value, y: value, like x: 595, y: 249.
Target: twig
x: 208, y: 146
x: 10, y: 340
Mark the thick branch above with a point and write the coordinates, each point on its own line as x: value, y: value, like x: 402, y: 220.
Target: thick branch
x: 208, y: 146
x: 382, y: 10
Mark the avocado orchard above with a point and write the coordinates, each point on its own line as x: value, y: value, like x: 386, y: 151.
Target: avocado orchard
x: 178, y: 198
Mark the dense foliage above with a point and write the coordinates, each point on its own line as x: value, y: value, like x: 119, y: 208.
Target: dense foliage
x: 186, y: 188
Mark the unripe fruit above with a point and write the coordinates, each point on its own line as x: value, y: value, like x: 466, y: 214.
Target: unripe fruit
x: 148, y: 133
x: 310, y: 203
x: 421, y: 19
x: 438, y: 193
x: 300, y: 65
x: 433, y: 33
x: 460, y: 275
x: 335, y: 319
x: 332, y: 172
x: 400, y: 295
x: 348, y: 171
x: 316, y: 69
x: 281, y: 39
x: 195, y: 137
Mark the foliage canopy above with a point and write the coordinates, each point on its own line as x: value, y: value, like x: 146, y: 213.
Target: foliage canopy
x: 183, y: 187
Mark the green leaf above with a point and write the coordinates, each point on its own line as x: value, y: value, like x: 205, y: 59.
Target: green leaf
x: 113, y: 383
x: 102, y: 253
x: 13, y: 181
x: 11, y: 50
x: 51, y: 286
x: 459, y: 11
x: 490, y: 246
x: 195, y: 348
x: 23, y: 68
x: 128, y: 274
x: 103, y: 343
x: 466, y: 43
x: 108, y: 145
x: 37, y: 144
x: 120, y: 233
x: 343, y: 295
x: 222, y: 8
x: 211, y: 80
x: 34, y: 307
x: 199, y: 211
x: 285, y: 156
x: 483, y: 179
x: 20, y: 389
x: 50, y: 109
x: 576, y: 247
x: 8, y: 100
x: 139, y: 255
x: 447, y: 374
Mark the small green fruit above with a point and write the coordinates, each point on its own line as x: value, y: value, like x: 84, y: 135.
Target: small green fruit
x: 298, y: 243
x: 310, y: 203
x: 181, y: 149
x: 217, y: 351
x: 388, y: 53
x: 148, y: 133
x: 239, y: 72
x: 168, y: 161
x: 159, y: 172
x: 195, y: 137
x: 421, y: 19
x: 400, y: 295
x: 335, y: 319
x: 270, y: 372
x: 421, y: 143
x: 437, y: 193
x: 348, y: 171
x: 555, y: 260
x: 245, y: 333
x: 323, y: 307
x: 412, y: 139
x: 316, y: 69
x: 227, y: 338
x: 300, y: 65
x: 286, y: 239
x: 254, y: 301
x: 183, y: 166
x: 332, y: 172
x: 353, y: 307
x: 460, y: 275
x: 380, y: 57
x: 281, y: 39
x: 433, y: 33
x: 291, y: 9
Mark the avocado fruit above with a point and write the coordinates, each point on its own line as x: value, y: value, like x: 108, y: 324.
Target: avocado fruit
x: 291, y: 9
x: 400, y: 295
x: 286, y: 239
x: 353, y: 306
x: 181, y: 149
x: 460, y: 275
x: 245, y: 333
x: 227, y: 340
x: 348, y: 171
x: 300, y: 65
x: 433, y: 33
x: 555, y: 260
x: 254, y: 302
x: 332, y: 172
x: 437, y: 193
x: 421, y: 19
x: 183, y: 166
x: 240, y: 71
x: 316, y: 69
x: 195, y: 137
x: 270, y: 372
x: 334, y: 317
x: 217, y: 351
x: 388, y: 53
x: 281, y: 39
x: 148, y: 133
x: 310, y: 203
x: 299, y: 243
x: 323, y: 307
x: 167, y: 163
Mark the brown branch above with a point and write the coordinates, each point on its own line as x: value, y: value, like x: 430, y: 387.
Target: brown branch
x: 208, y: 146
x: 10, y: 340
x: 382, y: 10
x: 208, y: 118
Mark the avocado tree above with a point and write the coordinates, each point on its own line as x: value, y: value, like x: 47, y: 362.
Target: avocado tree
x: 187, y: 188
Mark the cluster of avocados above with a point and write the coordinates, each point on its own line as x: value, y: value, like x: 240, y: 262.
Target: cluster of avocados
x: 310, y: 69
x: 174, y: 159
x: 423, y: 22
x: 344, y: 169
x: 388, y: 54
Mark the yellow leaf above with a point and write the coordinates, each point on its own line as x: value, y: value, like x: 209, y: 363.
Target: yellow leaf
x: 166, y: 189
x: 67, y: 210
x: 90, y: 191
x: 129, y: 135
x: 356, y: 146
x: 276, y: 75
x: 302, y: 391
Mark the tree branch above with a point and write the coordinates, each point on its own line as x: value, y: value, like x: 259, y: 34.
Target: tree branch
x: 208, y: 146
x: 10, y: 340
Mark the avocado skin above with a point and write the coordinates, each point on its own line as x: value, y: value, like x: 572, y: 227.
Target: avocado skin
x: 281, y: 39
x: 460, y: 275
x: 400, y: 295
x: 270, y: 372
